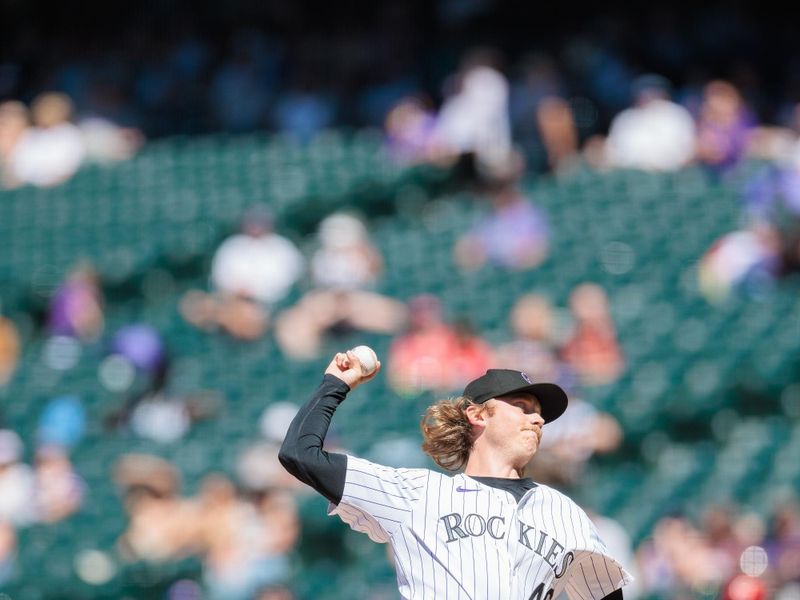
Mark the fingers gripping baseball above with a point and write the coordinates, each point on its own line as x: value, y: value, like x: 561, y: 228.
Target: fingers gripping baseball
x: 347, y: 367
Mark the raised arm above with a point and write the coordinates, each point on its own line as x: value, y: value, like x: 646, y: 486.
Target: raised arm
x: 301, y: 453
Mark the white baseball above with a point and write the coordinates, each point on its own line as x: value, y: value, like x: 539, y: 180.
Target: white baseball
x: 367, y: 357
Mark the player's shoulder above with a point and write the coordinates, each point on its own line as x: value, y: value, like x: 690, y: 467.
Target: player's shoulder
x: 357, y: 463
x: 551, y: 492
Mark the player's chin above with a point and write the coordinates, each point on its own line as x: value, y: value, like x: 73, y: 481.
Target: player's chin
x: 531, y: 447
x: 532, y: 441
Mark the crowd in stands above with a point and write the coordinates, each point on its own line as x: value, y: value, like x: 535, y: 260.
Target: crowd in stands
x: 727, y: 549
x: 495, y: 123
x: 41, y: 145
x: 244, y: 536
x: 550, y: 94
x: 255, y: 271
x: 344, y: 269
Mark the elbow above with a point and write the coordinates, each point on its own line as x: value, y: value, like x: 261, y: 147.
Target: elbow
x: 290, y: 459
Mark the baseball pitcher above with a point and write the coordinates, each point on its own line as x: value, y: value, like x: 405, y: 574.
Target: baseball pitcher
x: 483, y: 533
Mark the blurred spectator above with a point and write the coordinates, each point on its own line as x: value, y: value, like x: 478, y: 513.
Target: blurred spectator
x: 76, y: 308
x: 514, y: 235
x: 108, y: 142
x: 9, y: 350
x: 275, y: 421
x: 655, y: 134
x: 532, y: 348
x: 677, y: 561
x: 53, y: 149
x: 133, y: 470
x: 473, y: 119
x: 433, y: 355
x: 142, y: 349
x: 258, y: 469
x: 592, y: 349
x: 539, y: 82
x: 724, y: 125
x: 13, y: 123
x: 151, y: 410
x: 343, y: 269
x: 243, y: 540
x: 162, y: 526
x: 302, y: 111
x: 772, y: 206
x: 718, y: 525
x: 245, y: 545
x: 59, y: 489
x: 239, y: 90
x: 62, y: 422
x: 558, y: 132
x: 250, y: 272
x: 410, y: 128
x: 17, y: 485
x: 471, y: 355
x: 772, y: 194
x: 741, y: 262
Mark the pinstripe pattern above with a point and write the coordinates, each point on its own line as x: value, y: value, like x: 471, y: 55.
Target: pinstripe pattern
x: 459, y: 539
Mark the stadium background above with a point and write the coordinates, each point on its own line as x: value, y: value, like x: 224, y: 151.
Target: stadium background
x: 709, y: 399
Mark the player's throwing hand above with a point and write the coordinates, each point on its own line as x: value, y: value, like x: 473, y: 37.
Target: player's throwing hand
x: 346, y: 366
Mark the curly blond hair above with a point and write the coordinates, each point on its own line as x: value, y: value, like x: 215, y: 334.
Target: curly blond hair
x: 447, y: 433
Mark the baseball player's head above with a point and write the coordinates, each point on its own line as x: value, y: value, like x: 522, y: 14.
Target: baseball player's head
x: 499, y: 416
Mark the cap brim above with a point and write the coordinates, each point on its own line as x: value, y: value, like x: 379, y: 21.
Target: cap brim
x: 552, y: 398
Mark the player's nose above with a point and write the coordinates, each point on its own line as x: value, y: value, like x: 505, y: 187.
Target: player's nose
x: 536, y: 419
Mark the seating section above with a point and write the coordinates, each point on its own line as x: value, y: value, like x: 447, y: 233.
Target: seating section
x: 703, y: 402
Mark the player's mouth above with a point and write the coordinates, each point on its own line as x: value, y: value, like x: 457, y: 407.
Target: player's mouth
x: 536, y: 431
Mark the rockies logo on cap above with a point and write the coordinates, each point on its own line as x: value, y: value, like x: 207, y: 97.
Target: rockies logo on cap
x: 525, y: 377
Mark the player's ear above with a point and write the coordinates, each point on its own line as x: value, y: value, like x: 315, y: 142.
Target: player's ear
x: 476, y: 414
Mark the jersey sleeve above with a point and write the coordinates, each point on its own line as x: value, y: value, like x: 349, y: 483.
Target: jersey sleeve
x: 594, y: 573
x: 377, y: 499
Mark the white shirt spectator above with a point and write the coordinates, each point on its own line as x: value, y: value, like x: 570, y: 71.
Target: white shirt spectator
x: 48, y: 156
x: 476, y: 118
x: 346, y: 260
x: 263, y: 268
x: 656, y: 136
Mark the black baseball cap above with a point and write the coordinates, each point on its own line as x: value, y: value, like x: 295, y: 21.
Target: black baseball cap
x: 499, y: 382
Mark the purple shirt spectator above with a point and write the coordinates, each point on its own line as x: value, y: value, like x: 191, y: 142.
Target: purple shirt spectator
x: 773, y: 192
x: 141, y: 345
x: 723, y: 127
x: 515, y: 235
x: 76, y: 307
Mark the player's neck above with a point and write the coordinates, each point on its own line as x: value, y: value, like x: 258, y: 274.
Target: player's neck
x: 484, y: 464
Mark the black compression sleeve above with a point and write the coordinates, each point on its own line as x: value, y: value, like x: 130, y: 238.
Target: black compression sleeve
x: 301, y: 453
x: 615, y: 595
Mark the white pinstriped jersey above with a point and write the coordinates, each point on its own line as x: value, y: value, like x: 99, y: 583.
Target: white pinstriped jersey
x: 457, y: 538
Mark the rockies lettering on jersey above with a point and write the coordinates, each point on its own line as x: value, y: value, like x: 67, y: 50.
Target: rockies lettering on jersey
x: 454, y: 537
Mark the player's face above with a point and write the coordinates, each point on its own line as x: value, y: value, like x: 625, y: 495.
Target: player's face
x: 516, y: 424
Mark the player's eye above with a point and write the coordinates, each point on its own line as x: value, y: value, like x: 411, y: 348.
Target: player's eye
x: 529, y: 409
